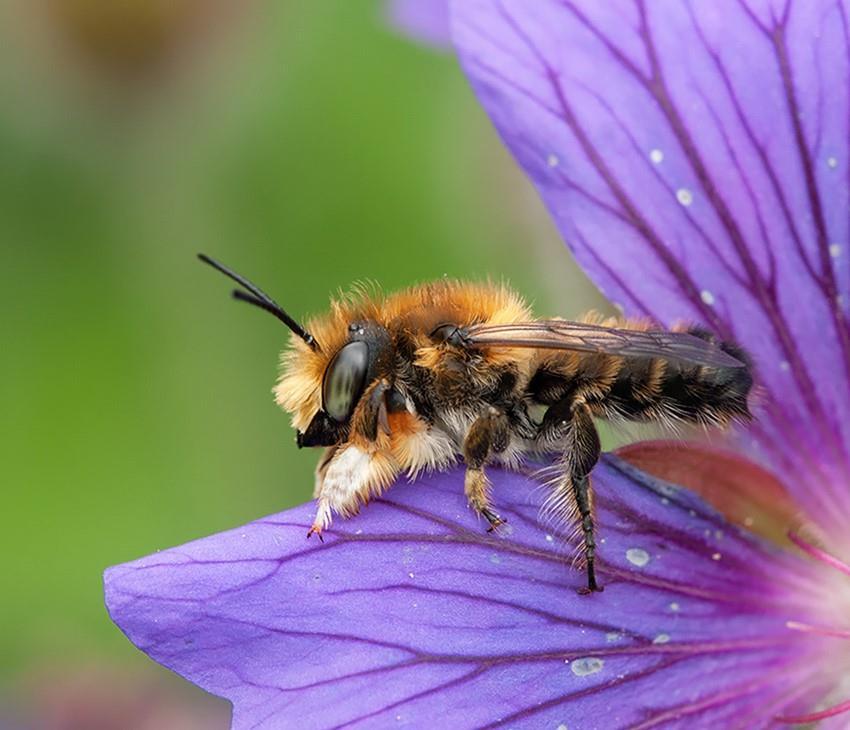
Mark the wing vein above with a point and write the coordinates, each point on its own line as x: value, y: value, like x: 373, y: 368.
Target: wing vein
x: 556, y: 334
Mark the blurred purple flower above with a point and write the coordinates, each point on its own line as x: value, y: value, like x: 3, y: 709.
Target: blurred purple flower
x: 694, y: 156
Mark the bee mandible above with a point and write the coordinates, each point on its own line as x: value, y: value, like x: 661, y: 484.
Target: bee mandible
x: 414, y: 380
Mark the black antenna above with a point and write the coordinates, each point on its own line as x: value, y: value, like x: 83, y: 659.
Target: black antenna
x: 260, y: 299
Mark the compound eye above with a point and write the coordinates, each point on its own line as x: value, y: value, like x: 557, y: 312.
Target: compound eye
x: 344, y: 380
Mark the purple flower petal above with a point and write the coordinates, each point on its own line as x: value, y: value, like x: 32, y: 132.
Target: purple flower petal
x: 745, y: 493
x: 425, y: 20
x: 695, y: 158
x: 411, y: 614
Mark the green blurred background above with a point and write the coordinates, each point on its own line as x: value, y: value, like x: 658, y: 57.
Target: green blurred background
x: 306, y: 144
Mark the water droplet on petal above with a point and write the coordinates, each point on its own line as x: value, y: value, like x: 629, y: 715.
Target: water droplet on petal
x: 586, y: 665
x: 612, y: 636
x: 552, y: 160
x: 784, y: 365
x: 549, y: 538
x: 674, y: 606
x: 637, y: 556
x: 707, y: 297
x: 835, y: 250
x: 661, y: 639
x: 716, y: 556
x: 832, y: 162
x: 657, y: 156
x: 684, y: 196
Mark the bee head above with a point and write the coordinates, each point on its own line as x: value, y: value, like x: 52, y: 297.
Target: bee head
x: 364, y: 355
x: 321, y: 384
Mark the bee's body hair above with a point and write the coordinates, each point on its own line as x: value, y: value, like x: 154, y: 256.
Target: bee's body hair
x: 433, y: 396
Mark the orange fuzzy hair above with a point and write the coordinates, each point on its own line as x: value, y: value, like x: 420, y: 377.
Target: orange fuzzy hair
x: 416, y: 311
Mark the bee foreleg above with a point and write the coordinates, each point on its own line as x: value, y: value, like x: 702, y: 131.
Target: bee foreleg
x: 322, y: 467
x: 370, y: 419
x: 581, y: 452
x: 352, y: 477
x: 351, y: 474
x: 488, y: 434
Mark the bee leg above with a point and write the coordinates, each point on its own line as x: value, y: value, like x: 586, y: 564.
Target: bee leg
x: 581, y: 489
x: 584, y: 451
x: 488, y: 435
x: 323, y: 519
x: 352, y: 477
x: 574, y: 424
x: 321, y: 468
x: 350, y: 474
x: 370, y: 419
x: 323, y: 513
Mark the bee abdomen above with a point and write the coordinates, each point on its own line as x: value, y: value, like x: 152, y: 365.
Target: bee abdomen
x: 659, y: 390
x: 725, y: 390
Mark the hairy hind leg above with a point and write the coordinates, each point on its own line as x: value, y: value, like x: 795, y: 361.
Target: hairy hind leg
x: 488, y: 435
x: 573, y: 498
x: 582, y: 492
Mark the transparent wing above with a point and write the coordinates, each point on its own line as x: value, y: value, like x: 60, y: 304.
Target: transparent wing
x: 557, y: 334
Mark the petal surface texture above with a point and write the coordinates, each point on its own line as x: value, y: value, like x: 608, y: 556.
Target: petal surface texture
x: 411, y: 613
x: 746, y: 494
x: 695, y: 158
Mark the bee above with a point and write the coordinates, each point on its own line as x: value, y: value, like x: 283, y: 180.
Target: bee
x: 416, y: 380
